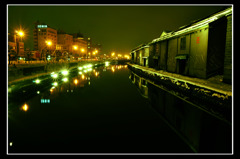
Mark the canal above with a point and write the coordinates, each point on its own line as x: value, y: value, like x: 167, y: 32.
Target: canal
x: 87, y: 110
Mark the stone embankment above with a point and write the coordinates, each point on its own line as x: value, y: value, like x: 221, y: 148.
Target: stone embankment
x: 21, y: 72
x: 211, y: 94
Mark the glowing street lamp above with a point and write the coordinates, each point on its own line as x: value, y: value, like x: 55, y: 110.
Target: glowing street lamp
x: 49, y: 43
x: 20, y: 33
x: 75, y: 47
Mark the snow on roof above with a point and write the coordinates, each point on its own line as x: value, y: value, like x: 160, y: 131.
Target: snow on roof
x: 194, y: 25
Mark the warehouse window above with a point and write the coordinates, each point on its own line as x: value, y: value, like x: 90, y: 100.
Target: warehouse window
x: 183, y: 43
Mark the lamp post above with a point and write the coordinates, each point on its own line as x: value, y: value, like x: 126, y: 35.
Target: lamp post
x: 49, y: 44
x: 19, y: 33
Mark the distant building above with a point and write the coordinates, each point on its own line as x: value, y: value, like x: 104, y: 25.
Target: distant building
x: 79, y: 47
x: 89, y: 46
x: 140, y: 55
x: 42, y: 34
x: 64, y: 42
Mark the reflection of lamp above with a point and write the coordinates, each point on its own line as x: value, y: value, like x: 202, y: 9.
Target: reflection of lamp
x: 25, y: 107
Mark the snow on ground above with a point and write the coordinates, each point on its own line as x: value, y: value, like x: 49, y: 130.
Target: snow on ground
x: 214, y: 83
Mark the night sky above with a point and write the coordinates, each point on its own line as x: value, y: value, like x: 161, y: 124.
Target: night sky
x: 118, y: 28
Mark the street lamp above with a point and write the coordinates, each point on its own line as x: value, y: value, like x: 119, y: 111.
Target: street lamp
x: 20, y: 33
x: 49, y: 44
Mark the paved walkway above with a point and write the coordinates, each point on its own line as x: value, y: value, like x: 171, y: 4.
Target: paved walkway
x: 214, y: 83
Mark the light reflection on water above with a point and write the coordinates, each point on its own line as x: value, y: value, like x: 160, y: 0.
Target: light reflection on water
x: 90, y: 108
x: 65, y: 81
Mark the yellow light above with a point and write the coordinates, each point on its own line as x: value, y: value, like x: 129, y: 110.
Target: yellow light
x: 113, y: 54
x: 82, y: 50
x: 76, y: 81
x: 55, y: 83
x: 83, y: 76
x: 25, y: 107
x: 49, y: 43
x: 11, y: 143
x: 20, y: 33
x: 96, y: 74
x: 75, y: 47
x: 113, y: 70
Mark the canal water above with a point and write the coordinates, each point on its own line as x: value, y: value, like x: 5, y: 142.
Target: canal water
x: 87, y: 110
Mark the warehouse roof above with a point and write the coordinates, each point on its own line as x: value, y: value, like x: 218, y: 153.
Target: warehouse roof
x: 195, y: 25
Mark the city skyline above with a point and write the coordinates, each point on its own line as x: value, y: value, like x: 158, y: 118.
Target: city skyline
x: 118, y: 28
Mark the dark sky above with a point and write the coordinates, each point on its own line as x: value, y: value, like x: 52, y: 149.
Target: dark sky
x: 118, y: 28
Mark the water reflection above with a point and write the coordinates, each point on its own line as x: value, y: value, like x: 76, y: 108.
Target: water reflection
x: 64, y: 81
x: 196, y: 126
x: 41, y: 97
x: 25, y: 107
x: 141, y: 84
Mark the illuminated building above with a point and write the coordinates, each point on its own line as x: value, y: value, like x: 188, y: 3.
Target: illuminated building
x: 64, y: 42
x: 15, y: 44
x: 43, y: 33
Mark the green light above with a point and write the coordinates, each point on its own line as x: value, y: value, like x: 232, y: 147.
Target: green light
x: 65, y: 72
x: 106, y: 63
x: 89, y: 66
x: 65, y: 79
x: 80, y: 68
x: 54, y: 75
x: 55, y: 83
x: 37, y: 81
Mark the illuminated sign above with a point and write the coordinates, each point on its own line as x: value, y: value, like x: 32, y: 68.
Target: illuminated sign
x: 42, y: 26
x: 45, y: 100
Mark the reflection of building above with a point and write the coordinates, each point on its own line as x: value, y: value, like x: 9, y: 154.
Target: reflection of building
x: 43, y: 34
x: 65, y: 42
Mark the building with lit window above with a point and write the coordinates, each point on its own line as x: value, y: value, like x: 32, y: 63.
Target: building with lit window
x: 79, y: 47
x: 64, y: 42
x: 15, y: 44
x: 44, y: 37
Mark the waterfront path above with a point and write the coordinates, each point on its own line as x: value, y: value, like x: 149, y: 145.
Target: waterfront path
x: 214, y: 83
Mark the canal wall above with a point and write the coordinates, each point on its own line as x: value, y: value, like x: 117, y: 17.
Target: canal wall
x: 202, y: 117
x: 22, y: 72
